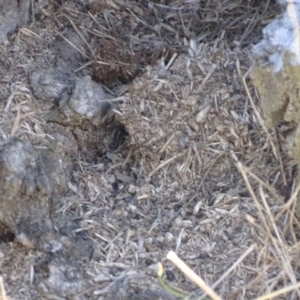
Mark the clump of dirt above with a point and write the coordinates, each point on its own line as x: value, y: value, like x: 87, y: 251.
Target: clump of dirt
x: 115, y: 64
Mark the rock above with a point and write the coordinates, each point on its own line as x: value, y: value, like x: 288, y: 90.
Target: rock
x: 78, y: 99
x: 29, y: 179
x: 65, y: 281
x: 119, y: 289
x: 13, y: 13
x: 82, y: 106
x: 90, y: 101
x: 275, y: 70
x: 276, y: 75
x: 51, y: 84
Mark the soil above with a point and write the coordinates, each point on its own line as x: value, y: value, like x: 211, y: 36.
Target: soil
x: 109, y: 173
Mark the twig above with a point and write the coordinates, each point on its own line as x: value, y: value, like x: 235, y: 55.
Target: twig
x: 3, y: 293
x: 172, y: 256
x: 280, y: 292
x: 250, y: 249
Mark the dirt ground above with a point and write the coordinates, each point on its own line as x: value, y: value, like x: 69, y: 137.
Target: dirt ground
x: 187, y: 163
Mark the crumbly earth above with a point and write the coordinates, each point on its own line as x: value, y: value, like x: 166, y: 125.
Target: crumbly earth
x: 183, y: 162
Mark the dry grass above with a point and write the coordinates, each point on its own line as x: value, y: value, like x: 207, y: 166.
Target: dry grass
x: 2, y: 290
x: 200, y: 173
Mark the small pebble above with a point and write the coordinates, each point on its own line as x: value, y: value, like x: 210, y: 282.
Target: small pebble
x: 132, y: 189
x: 169, y: 237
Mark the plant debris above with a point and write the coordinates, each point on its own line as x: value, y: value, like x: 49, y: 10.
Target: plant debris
x: 177, y: 160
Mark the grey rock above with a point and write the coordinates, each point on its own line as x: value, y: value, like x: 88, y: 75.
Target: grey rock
x: 90, y: 101
x: 119, y: 289
x: 78, y: 99
x: 65, y: 281
x: 51, y: 84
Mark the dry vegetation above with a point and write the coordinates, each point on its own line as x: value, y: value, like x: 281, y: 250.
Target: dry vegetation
x: 199, y: 173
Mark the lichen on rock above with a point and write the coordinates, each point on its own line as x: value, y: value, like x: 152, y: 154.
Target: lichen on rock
x: 276, y: 75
